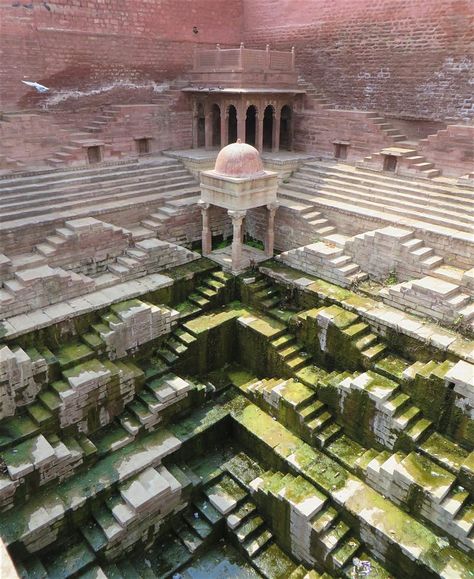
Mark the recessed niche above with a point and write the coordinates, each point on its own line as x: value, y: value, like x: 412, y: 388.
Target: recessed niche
x: 390, y: 163
x: 143, y: 146
x: 94, y: 154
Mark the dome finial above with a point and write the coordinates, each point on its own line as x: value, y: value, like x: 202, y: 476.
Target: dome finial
x: 239, y: 141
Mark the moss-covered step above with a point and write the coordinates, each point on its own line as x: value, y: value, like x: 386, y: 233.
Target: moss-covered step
x: 431, y: 388
x: 35, y: 518
x: 409, y: 336
x: 304, y: 521
x: 395, y: 537
x: 375, y: 412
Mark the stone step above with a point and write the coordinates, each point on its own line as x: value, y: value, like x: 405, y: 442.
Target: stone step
x: 409, y: 184
x: 90, y: 208
x: 389, y: 202
x: 179, y: 185
x: 50, y: 181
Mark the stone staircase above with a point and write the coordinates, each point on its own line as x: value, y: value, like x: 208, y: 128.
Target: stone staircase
x: 433, y: 298
x: 409, y: 201
x: 325, y: 261
x: 8, y: 164
x: 127, y: 190
x: 409, y: 161
x: 74, y: 151
x: 180, y: 212
x: 163, y: 477
x: 396, y: 251
x: 314, y: 95
x: 39, y: 287
x: 440, y: 500
x: 317, y: 532
x: 150, y: 256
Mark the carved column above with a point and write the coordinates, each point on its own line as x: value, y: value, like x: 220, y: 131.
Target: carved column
x: 237, y: 218
x: 206, y: 229
x: 224, y: 127
x: 241, y: 118
x: 208, y: 131
x: 276, y: 130
x: 270, y: 232
x: 195, y: 128
x: 259, y: 130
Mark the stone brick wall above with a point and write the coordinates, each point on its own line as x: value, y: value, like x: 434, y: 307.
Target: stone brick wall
x: 317, y: 130
x: 452, y: 149
x: 95, y: 45
x: 405, y: 57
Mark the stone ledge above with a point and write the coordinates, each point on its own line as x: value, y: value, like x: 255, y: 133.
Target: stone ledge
x: 41, y: 318
x: 381, y: 316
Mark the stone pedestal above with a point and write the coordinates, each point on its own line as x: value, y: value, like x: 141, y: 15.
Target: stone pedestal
x: 237, y: 219
x: 270, y: 233
x: 206, y: 230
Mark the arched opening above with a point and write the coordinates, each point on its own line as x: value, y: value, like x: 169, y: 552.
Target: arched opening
x: 268, y: 128
x: 216, y: 126
x: 285, y: 128
x: 250, y: 125
x: 232, y: 124
x: 201, y: 126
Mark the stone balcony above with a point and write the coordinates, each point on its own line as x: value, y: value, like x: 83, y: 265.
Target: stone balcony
x: 244, y: 67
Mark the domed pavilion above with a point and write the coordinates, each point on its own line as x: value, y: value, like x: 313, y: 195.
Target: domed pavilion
x: 238, y: 183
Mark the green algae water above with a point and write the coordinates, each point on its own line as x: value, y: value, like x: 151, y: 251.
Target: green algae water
x: 221, y: 561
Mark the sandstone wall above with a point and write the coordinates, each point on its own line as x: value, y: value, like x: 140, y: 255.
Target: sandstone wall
x: 405, y: 57
x: 77, y: 48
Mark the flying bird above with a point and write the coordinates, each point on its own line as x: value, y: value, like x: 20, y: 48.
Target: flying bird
x: 36, y: 85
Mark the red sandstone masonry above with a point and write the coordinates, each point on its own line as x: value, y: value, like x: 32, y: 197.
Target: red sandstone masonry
x: 407, y: 57
x: 82, y: 45
x: 316, y: 131
x: 451, y: 149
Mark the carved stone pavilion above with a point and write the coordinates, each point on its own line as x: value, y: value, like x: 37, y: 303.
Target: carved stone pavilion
x: 238, y: 183
x: 246, y: 94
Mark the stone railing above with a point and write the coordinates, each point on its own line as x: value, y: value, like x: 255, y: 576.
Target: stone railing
x: 243, y: 60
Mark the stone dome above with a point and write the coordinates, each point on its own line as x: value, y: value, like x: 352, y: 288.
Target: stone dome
x: 239, y: 160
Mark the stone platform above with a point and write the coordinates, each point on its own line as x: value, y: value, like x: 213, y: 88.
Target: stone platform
x: 282, y: 162
x: 250, y: 256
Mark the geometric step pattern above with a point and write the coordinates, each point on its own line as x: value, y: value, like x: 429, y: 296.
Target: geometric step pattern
x: 39, y: 287
x: 22, y: 374
x: 316, y: 532
x: 428, y: 490
x: 391, y: 543
x: 388, y: 250
x: 409, y: 162
x: 434, y: 298
x: 392, y: 413
x: 150, y: 256
x: 351, y: 193
x: 81, y: 241
x: 325, y: 261
x: 131, y: 324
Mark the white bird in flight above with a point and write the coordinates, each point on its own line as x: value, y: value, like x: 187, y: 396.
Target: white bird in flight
x: 36, y: 85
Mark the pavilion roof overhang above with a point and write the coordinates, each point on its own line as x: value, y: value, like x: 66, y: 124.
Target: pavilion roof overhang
x: 242, y: 90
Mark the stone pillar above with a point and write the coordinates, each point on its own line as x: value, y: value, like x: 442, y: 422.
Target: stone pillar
x: 206, y: 229
x: 195, y: 130
x: 224, y: 127
x: 208, y: 131
x: 270, y: 232
x: 276, y: 130
x: 241, y: 118
x: 237, y: 218
x: 259, y: 131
